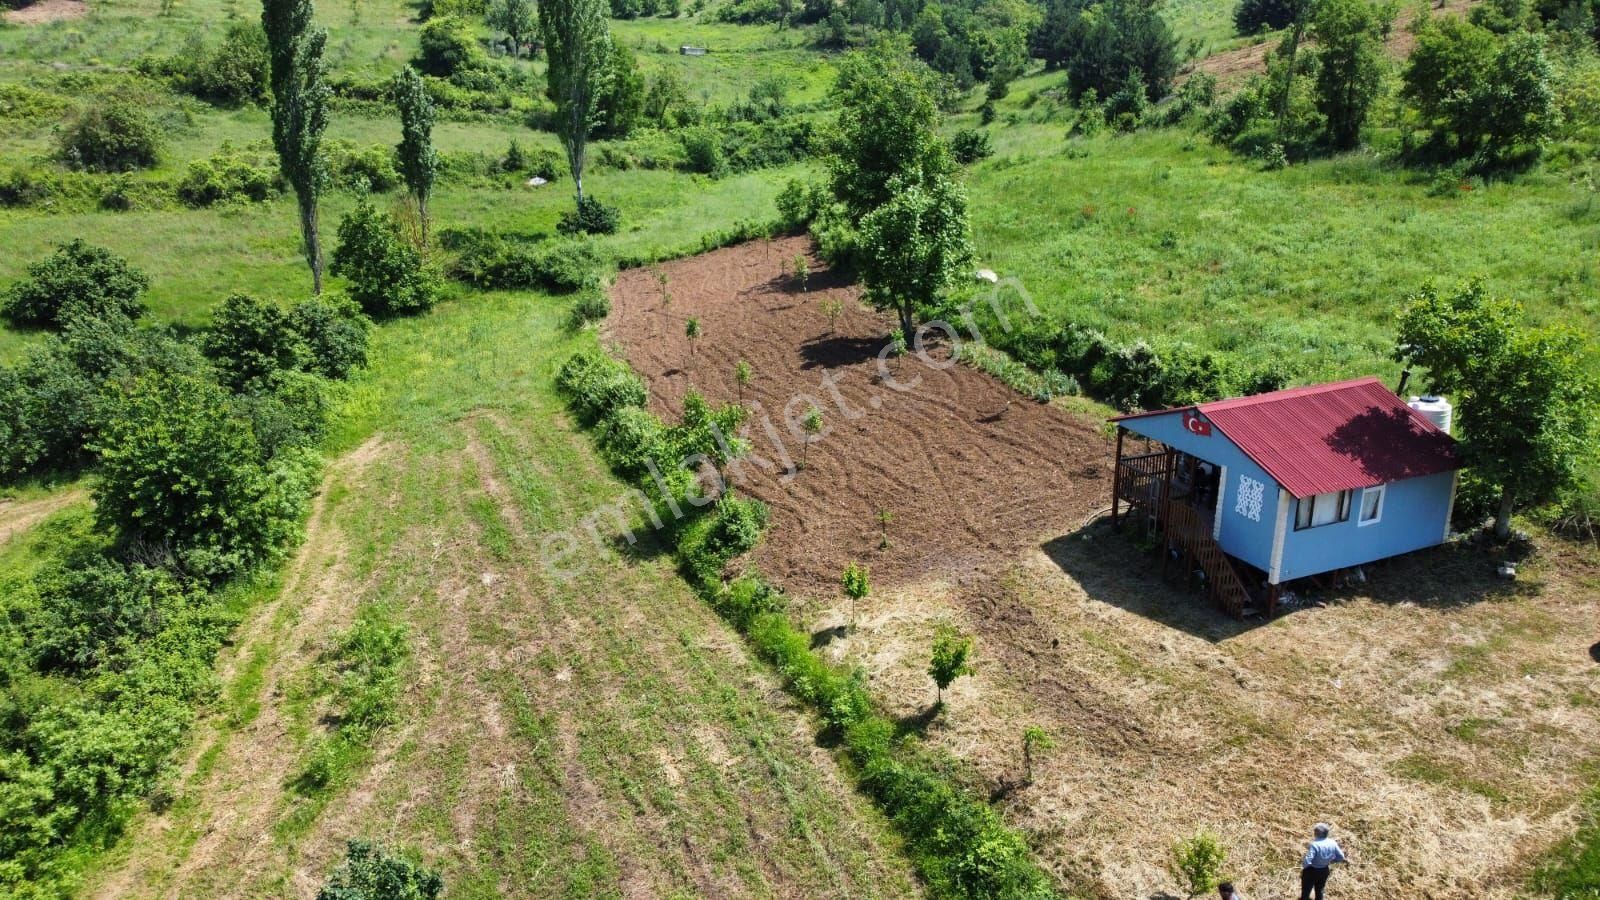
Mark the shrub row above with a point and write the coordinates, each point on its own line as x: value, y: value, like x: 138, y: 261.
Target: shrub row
x: 958, y: 842
x: 489, y: 259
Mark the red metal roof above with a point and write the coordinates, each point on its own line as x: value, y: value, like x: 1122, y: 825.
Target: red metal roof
x: 1331, y: 437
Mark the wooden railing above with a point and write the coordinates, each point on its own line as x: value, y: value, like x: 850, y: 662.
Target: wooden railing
x: 1189, y: 531
x: 1142, y: 482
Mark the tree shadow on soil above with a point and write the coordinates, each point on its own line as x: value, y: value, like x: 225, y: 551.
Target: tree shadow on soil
x: 836, y: 351
x: 917, y: 723
x: 1112, y: 568
x: 826, y: 636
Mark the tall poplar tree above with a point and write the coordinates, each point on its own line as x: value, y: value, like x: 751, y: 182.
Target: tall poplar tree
x: 577, y: 45
x: 298, y: 78
x: 419, y: 162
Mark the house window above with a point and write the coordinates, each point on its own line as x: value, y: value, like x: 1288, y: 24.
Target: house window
x: 1323, y: 509
x: 1371, y: 505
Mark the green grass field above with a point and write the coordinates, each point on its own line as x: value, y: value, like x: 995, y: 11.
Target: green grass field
x: 609, y: 735
x: 1161, y: 234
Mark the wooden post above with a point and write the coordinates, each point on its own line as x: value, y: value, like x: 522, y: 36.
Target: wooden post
x: 1116, y: 480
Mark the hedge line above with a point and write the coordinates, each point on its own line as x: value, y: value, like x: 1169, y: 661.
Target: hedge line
x: 958, y: 843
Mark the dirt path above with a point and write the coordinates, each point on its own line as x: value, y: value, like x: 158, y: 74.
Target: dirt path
x: 603, y: 735
x: 15, y: 518
x: 47, y: 11
x: 1233, y: 68
x: 237, y: 794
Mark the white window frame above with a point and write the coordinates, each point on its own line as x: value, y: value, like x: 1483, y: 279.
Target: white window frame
x: 1342, y: 498
x: 1382, y: 490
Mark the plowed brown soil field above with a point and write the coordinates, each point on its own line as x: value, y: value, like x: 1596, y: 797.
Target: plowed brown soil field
x: 968, y: 470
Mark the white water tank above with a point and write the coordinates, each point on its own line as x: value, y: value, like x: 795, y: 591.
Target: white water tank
x: 1435, y: 409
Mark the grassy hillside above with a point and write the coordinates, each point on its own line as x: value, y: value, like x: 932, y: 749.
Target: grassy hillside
x: 605, y: 734
x: 601, y: 735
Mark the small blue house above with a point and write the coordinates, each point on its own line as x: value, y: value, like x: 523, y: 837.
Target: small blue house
x: 1254, y: 492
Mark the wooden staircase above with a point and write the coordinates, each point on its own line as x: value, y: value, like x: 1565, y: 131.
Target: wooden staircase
x: 1189, y: 532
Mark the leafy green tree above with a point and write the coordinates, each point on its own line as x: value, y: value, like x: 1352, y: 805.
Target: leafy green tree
x: 1527, y: 399
x: 77, y: 280
x: 300, y: 96
x: 385, y: 272
x: 857, y: 584
x: 887, y: 120
x: 419, y: 162
x: 578, y: 49
x: 250, y: 340
x: 1349, y: 36
x: 802, y: 270
x: 446, y: 45
x: 1252, y: 16
x: 621, y: 106
x: 181, y: 470
x: 335, y: 334
x: 373, y: 872
x: 914, y: 246
x: 1101, y: 44
x: 952, y: 658
x: 517, y: 19
x: 1480, y: 93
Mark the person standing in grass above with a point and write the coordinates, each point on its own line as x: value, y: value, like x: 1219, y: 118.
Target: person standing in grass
x: 1227, y: 891
x: 1320, y: 855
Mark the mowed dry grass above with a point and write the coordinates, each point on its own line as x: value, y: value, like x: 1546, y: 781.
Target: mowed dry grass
x: 1446, y: 723
x: 599, y: 736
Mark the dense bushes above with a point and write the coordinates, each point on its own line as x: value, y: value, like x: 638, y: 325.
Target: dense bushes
x: 105, y: 653
x: 596, y: 386
x: 1131, y: 376
x: 490, y: 260
x: 334, y: 334
x: 249, y: 341
x: 1252, y: 16
x: 383, y: 269
x: 372, y: 872
x: 112, y: 135
x: 590, y: 216
x: 959, y: 843
x: 77, y: 281
x: 1101, y: 44
x: 1480, y: 94
x: 231, y: 74
x: 182, y: 471
x: 97, y: 611
x: 229, y: 176
x: 446, y: 46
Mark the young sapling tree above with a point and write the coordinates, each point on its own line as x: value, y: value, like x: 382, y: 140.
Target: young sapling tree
x: 831, y: 308
x: 1035, y: 742
x: 812, y: 424
x: 741, y: 376
x: 857, y: 584
x: 691, y: 330
x: 952, y: 658
x: 802, y: 270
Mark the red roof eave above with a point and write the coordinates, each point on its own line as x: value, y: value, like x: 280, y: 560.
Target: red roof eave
x: 1329, y: 437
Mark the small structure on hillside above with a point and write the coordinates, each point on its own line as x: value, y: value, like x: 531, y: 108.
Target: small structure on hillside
x: 691, y: 50
x: 1255, y: 492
